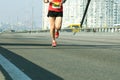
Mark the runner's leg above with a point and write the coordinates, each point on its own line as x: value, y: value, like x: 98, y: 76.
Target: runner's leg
x: 52, y: 27
x: 58, y: 23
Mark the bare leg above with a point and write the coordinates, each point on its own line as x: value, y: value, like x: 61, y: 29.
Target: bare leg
x: 58, y: 23
x: 52, y: 27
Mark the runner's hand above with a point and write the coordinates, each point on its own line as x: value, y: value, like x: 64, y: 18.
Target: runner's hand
x: 51, y: 1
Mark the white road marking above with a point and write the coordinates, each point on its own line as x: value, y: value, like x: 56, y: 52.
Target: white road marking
x: 12, y: 70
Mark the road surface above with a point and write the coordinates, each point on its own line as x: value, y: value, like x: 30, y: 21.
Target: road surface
x: 84, y: 56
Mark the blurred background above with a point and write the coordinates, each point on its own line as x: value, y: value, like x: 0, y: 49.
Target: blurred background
x: 31, y: 15
x: 20, y: 15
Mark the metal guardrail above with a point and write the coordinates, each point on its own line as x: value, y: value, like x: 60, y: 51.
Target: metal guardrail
x: 93, y: 30
x: 75, y: 30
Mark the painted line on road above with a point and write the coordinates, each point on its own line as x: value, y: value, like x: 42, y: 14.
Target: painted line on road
x: 12, y: 70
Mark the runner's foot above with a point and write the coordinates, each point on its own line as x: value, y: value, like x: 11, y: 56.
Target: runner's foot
x: 54, y: 43
x: 56, y: 34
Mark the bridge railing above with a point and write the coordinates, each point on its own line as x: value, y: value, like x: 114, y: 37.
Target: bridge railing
x: 93, y: 30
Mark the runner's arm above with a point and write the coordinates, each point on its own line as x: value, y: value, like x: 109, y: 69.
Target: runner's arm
x: 46, y: 1
x: 50, y: 1
x: 63, y: 1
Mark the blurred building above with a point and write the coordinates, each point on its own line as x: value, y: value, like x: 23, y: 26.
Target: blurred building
x: 101, y: 13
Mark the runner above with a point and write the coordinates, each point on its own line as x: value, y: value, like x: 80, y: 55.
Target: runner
x: 55, y: 14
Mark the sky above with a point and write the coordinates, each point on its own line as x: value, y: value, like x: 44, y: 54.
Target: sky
x: 12, y: 11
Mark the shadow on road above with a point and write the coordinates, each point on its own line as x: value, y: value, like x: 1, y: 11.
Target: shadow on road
x: 23, y: 44
x: 61, y: 46
x: 34, y: 71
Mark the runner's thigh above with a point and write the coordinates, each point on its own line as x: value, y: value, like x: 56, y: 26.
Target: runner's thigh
x: 58, y: 22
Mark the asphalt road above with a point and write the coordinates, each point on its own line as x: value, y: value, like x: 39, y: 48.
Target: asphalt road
x: 84, y: 56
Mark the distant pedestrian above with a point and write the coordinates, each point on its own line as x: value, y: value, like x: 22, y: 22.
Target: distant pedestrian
x: 55, y: 14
